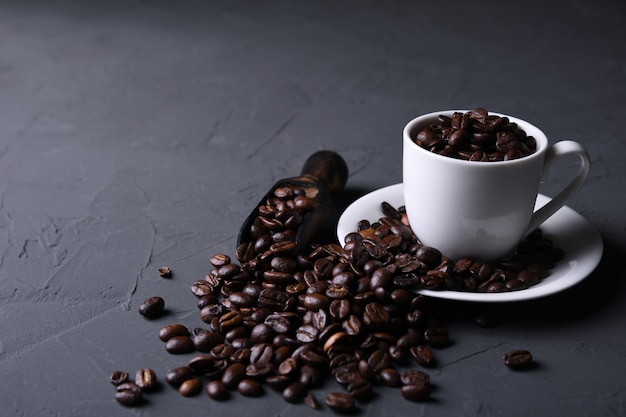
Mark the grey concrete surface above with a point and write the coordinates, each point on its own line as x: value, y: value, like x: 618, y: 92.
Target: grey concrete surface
x: 137, y: 134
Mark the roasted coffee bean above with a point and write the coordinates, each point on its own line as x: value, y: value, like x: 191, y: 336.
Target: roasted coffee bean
x: 306, y: 333
x: 360, y: 388
x: 180, y: 345
x: 205, y: 340
x: 190, y: 387
x: 210, y: 312
x: 378, y: 360
x: 340, y: 402
x: 437, y: 336
x: 165, y: 272
x: 260, y: 370
x: 219, y: 260
x: 146, y: 379
x: 422, y: 355
x: 230, y: 320
x: 390, y: 377
x: 216, y: 390
x: 250, y: 388
x: 295, y: 392
x: 375, y: 314
x: 416, y: 392
x: 129, y: 394
x: 202, y: 288
x: 340, y: 309
x: 233, y: 375
x: 153, y: 307
x: 201, y: 364
x: 311, y: 356
x: 177, y: 376
x: 272, y: 299
x: 518, y: 359
x: 118, y: 377
x: 315, y: 301
x: 414, y: 377
x: 310, y: 376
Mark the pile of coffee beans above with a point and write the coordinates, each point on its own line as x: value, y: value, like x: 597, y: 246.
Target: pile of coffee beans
x: 274, y: 229
x: 476, y: 136
x: 423, y: 267
x: 288, y: 320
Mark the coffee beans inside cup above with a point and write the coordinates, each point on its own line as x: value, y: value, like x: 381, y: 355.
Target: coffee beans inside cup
x: 476, y: 135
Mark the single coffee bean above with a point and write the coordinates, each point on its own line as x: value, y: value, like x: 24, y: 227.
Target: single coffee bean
x: 165, y: 272
x: 278, y: 382
x: 414, y: 377
x: 416, y: 392
x: 340, y: 402
x: 390, y: 377
x: 219, y: 260
x: 146, y: 379
x: 179, y: 345
x: 233, y: 375
x: 175, y: 377
x: 422, y: 355
x: 216, y: 390
x: 260, y: 370
x: 202, y: 288
x: 153, y: 307
x: 205, y: 340
x: 172, y: 330
x: 437, y: 336
x: 518, y: 359
x: 129, y: 394
x: 190, y: 387
x: 118, y: 377
x: 250, y: 388
x: 201, y: 364
x: 295, y: 392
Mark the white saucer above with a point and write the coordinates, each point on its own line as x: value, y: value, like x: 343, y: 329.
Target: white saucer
x: 580, y: 241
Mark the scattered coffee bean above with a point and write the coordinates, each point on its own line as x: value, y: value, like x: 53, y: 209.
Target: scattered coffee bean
x: 190, y: 387
x: 340, y: 402
x: 165, y: 272
x: 250, y: 388
x: 416, y: 392
x: 129, y: 394
x: 146, y: 379
x: 518, y: 359
x: 118, y: 377
x: 153, y: 307
x: 175, y: 377
x: 295, y: 393
x: 179, y: 345
x: 172, y: 330
x: 216, y: 390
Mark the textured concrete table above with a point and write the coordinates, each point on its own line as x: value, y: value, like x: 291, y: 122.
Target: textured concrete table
x: 137, y: 134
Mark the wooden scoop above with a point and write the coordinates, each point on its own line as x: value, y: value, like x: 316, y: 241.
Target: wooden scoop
x: 323, y: 174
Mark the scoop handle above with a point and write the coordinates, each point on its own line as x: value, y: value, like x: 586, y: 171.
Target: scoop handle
x: 329, y: 168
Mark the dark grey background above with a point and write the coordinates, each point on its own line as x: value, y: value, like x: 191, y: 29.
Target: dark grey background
x: 137, y: 134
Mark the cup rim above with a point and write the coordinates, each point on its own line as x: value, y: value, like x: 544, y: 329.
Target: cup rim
x: 423, y: 120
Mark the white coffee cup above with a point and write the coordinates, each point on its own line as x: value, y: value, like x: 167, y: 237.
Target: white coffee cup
x: 480, y: 209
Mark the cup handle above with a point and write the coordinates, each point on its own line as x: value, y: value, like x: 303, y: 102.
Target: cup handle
x: 566, y: 147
